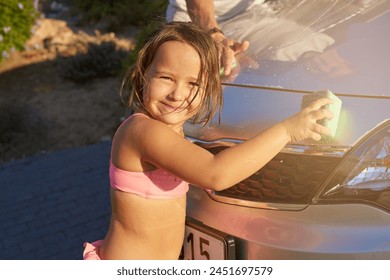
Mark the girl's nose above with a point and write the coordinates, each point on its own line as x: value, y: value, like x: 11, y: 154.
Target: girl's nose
x: 177, y: 93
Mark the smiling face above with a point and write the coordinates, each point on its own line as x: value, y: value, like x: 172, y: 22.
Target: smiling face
x: 172, y: 94
x: 163, y: 81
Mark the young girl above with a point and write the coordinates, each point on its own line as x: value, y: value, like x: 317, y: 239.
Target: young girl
x: 176, y: 79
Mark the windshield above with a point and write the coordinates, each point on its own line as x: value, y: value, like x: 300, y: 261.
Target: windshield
x: 340, y: 45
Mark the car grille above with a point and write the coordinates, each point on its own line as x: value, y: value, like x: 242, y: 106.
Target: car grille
x: 287, y: 178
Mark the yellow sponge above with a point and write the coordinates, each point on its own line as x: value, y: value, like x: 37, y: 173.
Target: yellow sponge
x: 335, y: 107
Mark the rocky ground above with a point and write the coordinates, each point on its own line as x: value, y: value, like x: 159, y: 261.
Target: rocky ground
x: 43, y: 107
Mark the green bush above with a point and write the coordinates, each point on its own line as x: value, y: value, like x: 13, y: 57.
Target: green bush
x: 101, y: 60
x: 121, y: 12
x: 16, y: 19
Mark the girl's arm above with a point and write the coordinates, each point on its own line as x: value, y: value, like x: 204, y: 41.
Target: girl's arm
x: 159, y: 145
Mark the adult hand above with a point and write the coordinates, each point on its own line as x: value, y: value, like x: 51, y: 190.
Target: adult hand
x: 228, y: 50
x: 243, y: 61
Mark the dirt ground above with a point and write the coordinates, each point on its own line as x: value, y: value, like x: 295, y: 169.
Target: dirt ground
x: 41, y: 111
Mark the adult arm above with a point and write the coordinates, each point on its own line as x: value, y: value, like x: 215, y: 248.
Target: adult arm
x: 203, y: 12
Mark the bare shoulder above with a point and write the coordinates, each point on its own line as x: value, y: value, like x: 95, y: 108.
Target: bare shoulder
x: 138, y: 138
x: 127, y: 143
x: 142, y: 127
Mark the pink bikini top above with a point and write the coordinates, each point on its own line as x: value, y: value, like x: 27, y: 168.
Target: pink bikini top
x: 155, y: 184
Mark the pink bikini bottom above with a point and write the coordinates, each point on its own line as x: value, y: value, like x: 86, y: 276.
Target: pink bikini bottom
x: 91, y: 250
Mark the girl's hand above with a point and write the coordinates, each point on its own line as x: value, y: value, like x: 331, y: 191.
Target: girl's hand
x: 303, y: 125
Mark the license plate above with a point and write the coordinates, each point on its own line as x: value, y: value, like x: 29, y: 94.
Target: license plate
x: 205, y: 243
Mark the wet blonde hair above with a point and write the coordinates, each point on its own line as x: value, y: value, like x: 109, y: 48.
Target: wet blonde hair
x: 208, y: 79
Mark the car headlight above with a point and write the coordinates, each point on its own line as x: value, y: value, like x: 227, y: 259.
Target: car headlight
x: 363, y: 176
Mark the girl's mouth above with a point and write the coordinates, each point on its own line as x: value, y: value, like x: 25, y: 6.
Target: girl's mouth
x: 173, y: 108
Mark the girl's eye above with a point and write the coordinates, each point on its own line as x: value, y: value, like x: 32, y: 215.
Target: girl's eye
x: 166, y: 78
x: 193, y: 84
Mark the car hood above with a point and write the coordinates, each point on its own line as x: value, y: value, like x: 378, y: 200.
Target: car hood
x: 267, y: 86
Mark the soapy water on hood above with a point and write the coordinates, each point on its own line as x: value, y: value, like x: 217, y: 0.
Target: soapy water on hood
x: 283, y: 30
